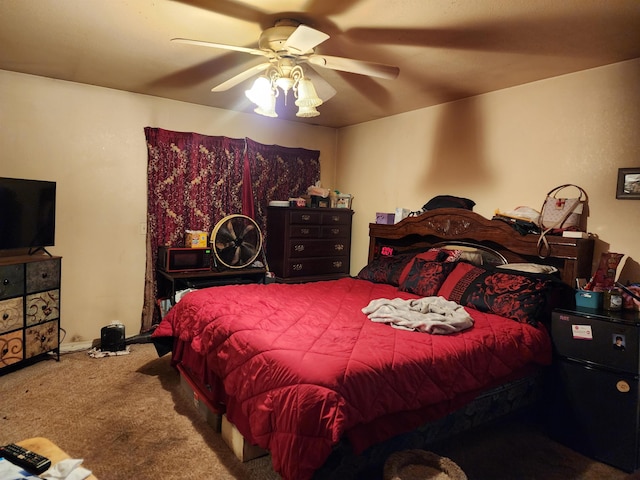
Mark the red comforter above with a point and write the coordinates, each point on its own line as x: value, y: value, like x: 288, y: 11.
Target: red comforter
x: 302, y: 366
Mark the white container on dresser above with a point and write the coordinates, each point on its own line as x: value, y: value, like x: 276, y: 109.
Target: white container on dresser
x: 308, y: 244
x: 29, y: 309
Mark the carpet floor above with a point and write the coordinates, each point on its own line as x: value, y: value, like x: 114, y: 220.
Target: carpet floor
x: 128, y: 418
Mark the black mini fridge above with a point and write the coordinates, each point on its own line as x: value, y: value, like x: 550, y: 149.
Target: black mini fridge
x: 596, y: 385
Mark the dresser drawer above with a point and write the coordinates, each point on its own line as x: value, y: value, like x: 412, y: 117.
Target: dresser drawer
x: 11, y: 280
x: 305, y: 231
x: 316, y: 266
x: 41, y: 338
x: 42, y: 307
x: 11, y: 348
x: 319, y: 248
x: 43, y: 275
x: 304, y: 216
x: 11, y: 314
x: 336, y: 218
x: 335, y: 231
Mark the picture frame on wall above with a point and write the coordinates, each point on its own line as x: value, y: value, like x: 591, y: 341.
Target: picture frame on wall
x: 628, y: 184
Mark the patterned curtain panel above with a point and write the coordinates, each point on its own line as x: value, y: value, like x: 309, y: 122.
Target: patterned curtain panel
x: 196, y: 180
x: 278, y: 173
x: 193, y: 181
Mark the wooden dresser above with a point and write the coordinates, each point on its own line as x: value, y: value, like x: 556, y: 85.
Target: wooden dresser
x: 308, y: 244
x: 29, y: 309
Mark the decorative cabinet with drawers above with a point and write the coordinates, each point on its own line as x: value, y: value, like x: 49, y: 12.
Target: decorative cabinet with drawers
x: 308, y: 244
x: 29, y: 309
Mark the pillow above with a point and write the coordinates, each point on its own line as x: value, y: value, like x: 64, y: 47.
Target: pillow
x: 449, y: 201
x: 425, y: 277
x: 431, y: 255
x: 520, y: 297
x: 529, y: 267
x: 386, y: 269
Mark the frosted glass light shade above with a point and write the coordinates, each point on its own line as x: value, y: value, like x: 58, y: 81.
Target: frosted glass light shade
x: 260, y: 92
x: 307, y: 112
x: 307, y: 96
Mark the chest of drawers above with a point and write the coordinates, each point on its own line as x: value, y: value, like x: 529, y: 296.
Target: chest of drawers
x: 29, y: 308
x: 308, y: 244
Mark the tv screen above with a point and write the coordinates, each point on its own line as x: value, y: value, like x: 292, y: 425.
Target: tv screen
x: 27, y: 213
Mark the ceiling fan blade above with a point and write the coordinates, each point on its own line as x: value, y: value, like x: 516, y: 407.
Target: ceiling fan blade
x: 355, y: 66
x: 241, y: 77
x: 304, y: 39
x: 200, y: 43
x: 323, y: 88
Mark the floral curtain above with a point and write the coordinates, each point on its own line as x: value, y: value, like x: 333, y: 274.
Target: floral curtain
x: 195, y: 180
x: 278, y: 173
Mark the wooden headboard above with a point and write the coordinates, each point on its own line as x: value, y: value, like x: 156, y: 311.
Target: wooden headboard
x: 571, y: 256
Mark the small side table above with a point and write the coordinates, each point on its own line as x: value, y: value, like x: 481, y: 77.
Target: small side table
x: 49, y: 449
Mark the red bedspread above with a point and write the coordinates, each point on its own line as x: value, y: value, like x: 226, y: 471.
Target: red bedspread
x: 302, y: 365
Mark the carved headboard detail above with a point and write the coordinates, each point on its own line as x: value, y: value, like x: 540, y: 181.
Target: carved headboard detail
x: 571, y: 256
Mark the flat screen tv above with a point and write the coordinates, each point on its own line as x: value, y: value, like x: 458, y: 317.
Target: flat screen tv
x: 27, y: 214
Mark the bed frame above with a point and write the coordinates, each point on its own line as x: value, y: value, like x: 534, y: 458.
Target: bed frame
x: 571, y: 256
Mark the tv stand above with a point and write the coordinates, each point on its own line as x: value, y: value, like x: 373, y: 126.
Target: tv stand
x: 29, y: 309
x: 38, y: 249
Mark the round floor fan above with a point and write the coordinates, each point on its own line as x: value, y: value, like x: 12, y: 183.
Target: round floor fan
x: 236, y: 241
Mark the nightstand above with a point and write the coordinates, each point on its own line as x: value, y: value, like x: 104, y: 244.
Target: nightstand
x: 595, y: 405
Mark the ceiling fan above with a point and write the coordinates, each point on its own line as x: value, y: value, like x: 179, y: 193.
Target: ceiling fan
x: 286, y: 46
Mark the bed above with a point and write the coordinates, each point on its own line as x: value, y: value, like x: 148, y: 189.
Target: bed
x: 329, y: 390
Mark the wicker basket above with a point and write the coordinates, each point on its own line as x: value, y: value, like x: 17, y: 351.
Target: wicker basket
x: 421, y: 465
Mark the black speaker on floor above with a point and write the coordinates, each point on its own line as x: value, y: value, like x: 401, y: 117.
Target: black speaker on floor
x: 112, y: 338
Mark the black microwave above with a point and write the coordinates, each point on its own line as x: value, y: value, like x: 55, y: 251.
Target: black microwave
x: 175, y: 259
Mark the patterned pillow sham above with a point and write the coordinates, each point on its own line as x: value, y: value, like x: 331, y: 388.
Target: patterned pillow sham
x: 431, y: 255
x: 425, y: 278
x: 523, y: 298
x: 386, y: 269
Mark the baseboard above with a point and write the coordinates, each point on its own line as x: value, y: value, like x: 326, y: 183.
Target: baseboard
x: 76, y: 346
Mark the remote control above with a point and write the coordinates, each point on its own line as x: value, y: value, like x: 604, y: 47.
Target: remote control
x: 30, y: 461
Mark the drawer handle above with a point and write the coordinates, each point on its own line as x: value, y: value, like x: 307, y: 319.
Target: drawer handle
x: 298, y: 248
x: 297, y: 266
x: 337, y: 264
x: 45, y: 275
x: 304, y: 231
x: 338, y: 246
x: 5, y: 316
x: 335, y: 231
x: 5, y: 281
x: 306, y: 218
x: 335, y: 218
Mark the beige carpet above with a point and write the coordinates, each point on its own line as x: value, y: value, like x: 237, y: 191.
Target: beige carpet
x: 128, y: 418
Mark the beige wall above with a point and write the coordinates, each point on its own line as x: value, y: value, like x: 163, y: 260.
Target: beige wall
x: 91, y: 141
x: 502, y: 150
x: 506, y: 149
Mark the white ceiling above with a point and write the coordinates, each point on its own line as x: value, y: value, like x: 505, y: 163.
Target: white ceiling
x: 445, y: 49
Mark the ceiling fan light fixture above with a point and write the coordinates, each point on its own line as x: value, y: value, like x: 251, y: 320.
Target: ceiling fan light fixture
x: 260, y: 91
x: 267, y: 107
x: 307, y: 112
x: 307, y: 96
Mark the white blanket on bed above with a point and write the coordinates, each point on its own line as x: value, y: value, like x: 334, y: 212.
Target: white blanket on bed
x: 434, y: 315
